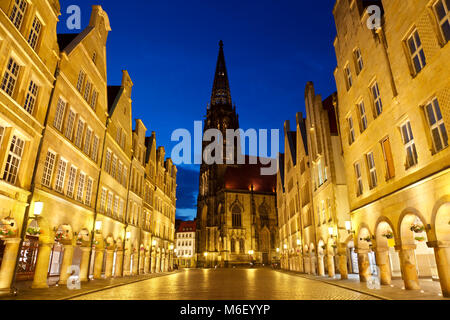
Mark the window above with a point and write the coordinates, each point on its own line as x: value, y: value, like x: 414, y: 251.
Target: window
x: 81, y: 182
x: 34, y: 33
x: 80, y: 82
x: 116, y: 206
x: 2, y: 132
x: 71, y: 182
x: 94, y: 99
x: 124, y: 137
x: 103, y: 200
x: 94, y: 151
x: 121, y: 209
x: 87, y: 90
x: 18, y: 12
x: 94, y: 57
x: 410, y: 147
x: 14, y: 159
x: 233, y: 246
x: 416, y: 52
x: 241, y: 246
x: 110, y: 203
x: 108, y: 161
x: 372, y: 170
x: 80, y: 131
x: 351, y: 130
x: 377, y: 99
x: 442, y: 9
x: 114, y: 167
x: 60, y: 176
x: 320, y: 173
x: 358, y: 60
x: 359, y: 184
x: 437, y: 126
x: 89, y: 184
x: 125, y: 174
x: 48, y: 169
x: 363, y: 116
x: 30, y: 100
x: 389, y: 161
x: 70, y: 124
x: 236, y: 216
x: 87, y: 141
x: 348, y: 76
x: 59, y: 115
x: 120, y: 172
x: 118, y: 135
x: 10, y: 77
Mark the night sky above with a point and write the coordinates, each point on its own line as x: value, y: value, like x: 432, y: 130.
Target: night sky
x: 272, y: 48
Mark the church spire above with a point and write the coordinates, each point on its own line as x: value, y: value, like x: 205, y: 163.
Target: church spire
x: 221, y: 89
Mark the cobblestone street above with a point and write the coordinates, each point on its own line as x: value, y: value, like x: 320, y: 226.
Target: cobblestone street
x: 228, y: 284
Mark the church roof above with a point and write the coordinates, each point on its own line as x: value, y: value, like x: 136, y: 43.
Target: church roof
x: 221, y: 87
x: 113, y: 96
x: 243, y: 176
x: 329, y: 108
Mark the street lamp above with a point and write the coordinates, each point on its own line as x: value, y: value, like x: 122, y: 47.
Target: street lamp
x: 251, y: 252
x: 348, y: 227
x: 154, y: 243
x: 299, y: 242
x: 285, y: 246
x: 128, y: 235
x: 98, y: 226
x: 331, y: 231
x: 278, y: 249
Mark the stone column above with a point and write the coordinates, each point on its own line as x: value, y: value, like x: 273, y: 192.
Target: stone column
x: 330, y: 262
x: 363, y: 265
x: 134, y: 272
x: 313, y: 264
x: 158, y: 263
x: 8, y: 264
x: 41, y: 271
x: 147, y: 263
x: 98, y: 263
x: 442, y: 254
x: 343, y: 270
x: 126, y: 263
x: 84, y: 264
x: 153, y: 263
x: 109, y: 263
x: 66, y: 264
x: 321, y: 265
x: 307, y: 264
x: 382, y: 257
x: 119, y: 263
x: 408, y: 266
x: 141, y: 262
x: 300, y: 263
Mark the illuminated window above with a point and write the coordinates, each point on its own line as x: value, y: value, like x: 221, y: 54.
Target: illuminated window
x: 70, y: 124
x: 18, y: 12
x: 30, y: 100
x: 108, y: 161
x: 87, y: 141
x: 14, y: 160
x: 94, y: 151
x: 416, y: 52
x: 442, y: 9
x: 110, y: 203
x: 81, y: 182
x: 114, y: 167
x: 362, y: 115
x: 88, y: 199
x: 348, y: 76
x: 80, y: 131
x: 410, y: 146
x: 59, y: 115
x: 437, y: 126
x: 80, y: 81
x: 10, y: 77
x: 372, y: 170
x: 236, y: 216
x: 377, y: 99
x: 351, y: 130
x: 71, y: 182
x: 103, y: 200
x: 94, y: 99
x: 87, y: 90
x: 34, y: 33
x: 358, y: 60
x: 359, y: 184
x: 60, y: 175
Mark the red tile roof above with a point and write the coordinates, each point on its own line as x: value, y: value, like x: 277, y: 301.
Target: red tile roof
x: 243, y: 176
x: 187, y: 226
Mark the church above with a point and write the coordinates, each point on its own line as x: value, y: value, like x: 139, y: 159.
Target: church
x: 236, y: 206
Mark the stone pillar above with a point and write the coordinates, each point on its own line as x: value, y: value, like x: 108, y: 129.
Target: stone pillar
x: 84, y: 264
x: 147, y: 263
x: 66, y: 264
x: 307, y: 264
x: 300, y: 263
x: 343, y: 270
x: 313, y: 264
x: 134, y: 272
x: 119, y: 263
x: 382, y: 257
x: 363, y: 265
x: 109, y: 263
x: 442, y: 254
x: 141, y: 262
x: 153, y: 263
x: 321, y: 265
x: 98, y: 263
x: 41, y: 271
x: 126, y: 263
x: 8, y: 264
x: 158, y: 263
x: 330, y: 262
x: 408, y: 267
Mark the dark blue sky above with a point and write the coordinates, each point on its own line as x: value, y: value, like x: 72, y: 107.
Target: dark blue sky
x: 272, y: 48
